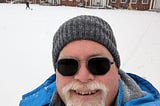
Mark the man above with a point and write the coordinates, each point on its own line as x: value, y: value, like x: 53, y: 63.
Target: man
x: 27, y: 4
x: 87, y: 67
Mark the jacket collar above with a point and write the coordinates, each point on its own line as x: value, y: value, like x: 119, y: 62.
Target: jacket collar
x: 129, y: 88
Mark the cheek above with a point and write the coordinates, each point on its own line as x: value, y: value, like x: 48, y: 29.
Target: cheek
x: 110, y: 79
x: 61, y: 81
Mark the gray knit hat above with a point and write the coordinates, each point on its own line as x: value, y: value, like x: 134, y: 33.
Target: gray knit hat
x: 88, y: 28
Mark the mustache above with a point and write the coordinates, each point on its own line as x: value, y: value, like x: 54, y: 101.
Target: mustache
x: 89, y: 86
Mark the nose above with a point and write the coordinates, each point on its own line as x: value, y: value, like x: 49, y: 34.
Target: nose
x: 83, y: 74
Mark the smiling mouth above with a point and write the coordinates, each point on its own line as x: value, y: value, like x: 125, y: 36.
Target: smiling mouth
x: 85, y: 93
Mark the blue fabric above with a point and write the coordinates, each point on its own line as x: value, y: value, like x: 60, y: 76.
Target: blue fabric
x: 43, y: 94
x: 152, y: 98
x: 120, y: 94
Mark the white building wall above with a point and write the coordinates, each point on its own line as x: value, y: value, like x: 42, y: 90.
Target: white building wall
x: 156, y: 4
x: 54, y: 2
x: 104, y: 3
x: 101, y: 3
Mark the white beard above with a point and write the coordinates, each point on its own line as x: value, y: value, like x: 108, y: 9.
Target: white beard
x: 70, y: 100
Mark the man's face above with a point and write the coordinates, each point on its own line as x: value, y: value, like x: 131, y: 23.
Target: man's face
x: 84, y: 88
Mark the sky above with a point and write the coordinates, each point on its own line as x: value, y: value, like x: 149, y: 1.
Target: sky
x: 26, y: 44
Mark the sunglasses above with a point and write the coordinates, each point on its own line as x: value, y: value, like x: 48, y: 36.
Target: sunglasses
x: 95, y: 65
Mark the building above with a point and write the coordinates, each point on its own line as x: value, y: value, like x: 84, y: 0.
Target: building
x: 133, y: 4
x: 83, y: 3
x: 23, y: 1
x: 123, y: 4
x: 120, y: 4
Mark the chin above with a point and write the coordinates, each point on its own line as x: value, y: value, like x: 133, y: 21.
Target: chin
x: 88, y: 94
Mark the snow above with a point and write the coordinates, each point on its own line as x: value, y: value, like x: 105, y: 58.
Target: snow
x: 26, y: 44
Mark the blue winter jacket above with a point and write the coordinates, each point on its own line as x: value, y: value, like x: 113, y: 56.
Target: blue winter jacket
x: 133, y: 91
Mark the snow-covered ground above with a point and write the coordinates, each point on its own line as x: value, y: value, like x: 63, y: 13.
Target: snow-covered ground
x: 26, y: 44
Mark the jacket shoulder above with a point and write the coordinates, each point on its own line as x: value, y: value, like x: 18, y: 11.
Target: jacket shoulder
x: 152, y: 97
x: 41, y: 95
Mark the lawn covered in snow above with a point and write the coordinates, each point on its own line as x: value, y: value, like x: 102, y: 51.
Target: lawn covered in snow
x: 26, y: 44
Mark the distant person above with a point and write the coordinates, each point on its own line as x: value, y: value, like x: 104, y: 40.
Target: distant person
x: 87, y: 70
x: 27, y: 5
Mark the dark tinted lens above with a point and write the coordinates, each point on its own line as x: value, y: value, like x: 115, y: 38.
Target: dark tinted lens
x: 99, y: 66
x: 67, y: 67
